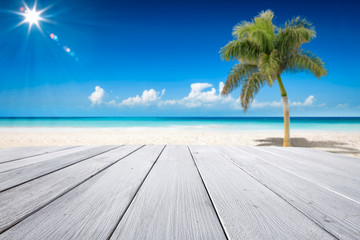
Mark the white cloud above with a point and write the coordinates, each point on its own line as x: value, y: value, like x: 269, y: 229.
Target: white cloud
x: 197, y: 91
x: 167, y: 102
x: 205, y: 95
x: 256, y: 104
x: 342, y: 105
x: 112, y: 102
x: 221, y: 87
x: 97, y: 96
x: 147, y: 97
x: 200, y: 96
x: 308, y: 102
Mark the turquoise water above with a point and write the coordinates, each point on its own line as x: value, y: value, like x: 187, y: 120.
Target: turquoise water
x: 213, y: 123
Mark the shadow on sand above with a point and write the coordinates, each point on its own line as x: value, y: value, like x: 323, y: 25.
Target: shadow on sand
x: 331, y: 146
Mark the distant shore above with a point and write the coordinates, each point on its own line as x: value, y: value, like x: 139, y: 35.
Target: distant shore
x: 193, y: 123
x: 341, y: 142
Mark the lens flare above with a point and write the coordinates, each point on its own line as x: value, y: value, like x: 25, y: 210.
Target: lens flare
x: 34, y: 17
x: 66, y: 49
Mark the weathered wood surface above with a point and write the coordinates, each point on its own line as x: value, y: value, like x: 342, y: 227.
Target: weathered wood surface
x: 13, y: 154
x: 326, y: 157
x: 23, y: 174
x: 238, y: 197
x: 11, y: 165
x: 91, y: 210
x: 25, y: 199
x: 171, y: 204
x: 343, y: 178
x: 178, y: 192
x: 335, y: 213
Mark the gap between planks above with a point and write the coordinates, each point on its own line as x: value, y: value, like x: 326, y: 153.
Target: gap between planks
x: 71, y: 188
x: 136, y: 193
x: 2, y: 189
x: 313, y: 181
x: 211, y: 200
x: 69, y: 230
x: 35, y: 155
x: 172, y: 203
x: 256, y: 179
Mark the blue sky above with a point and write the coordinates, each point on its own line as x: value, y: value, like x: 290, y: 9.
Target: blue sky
x: 160, y: 58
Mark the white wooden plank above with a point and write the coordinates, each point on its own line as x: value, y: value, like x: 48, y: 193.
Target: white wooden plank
x: 39, y: 158
x: 13, y: 154
x: 91, y: 210
x: 23, y: 174
x: 341, y: 179
x: 331, y: 156
x: 247, y: 209
x: 22, y: 201
x: 171, y: 204
x: 348, y: 164
x: 334, y: 212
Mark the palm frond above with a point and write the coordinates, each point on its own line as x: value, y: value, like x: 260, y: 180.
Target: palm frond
x: 265, y: 21
x: 270, y: 66
x: 263, y: 39
x: 295, y: 33
x: 306, y: 61
x: 268, y: 15
x: 243, y: 29
x: 236, y: 77
x: 298, y: 22
x: 250, y: 88
x: 260, y: 31
x: 245, y: 51
x: 265, y: 32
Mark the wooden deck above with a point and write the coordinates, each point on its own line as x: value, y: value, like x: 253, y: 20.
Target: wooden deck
x: 178, y: 192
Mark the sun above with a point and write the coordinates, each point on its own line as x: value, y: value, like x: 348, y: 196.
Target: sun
x: 31, y: 16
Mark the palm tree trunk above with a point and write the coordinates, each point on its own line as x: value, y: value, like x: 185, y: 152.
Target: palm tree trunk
x: 286, y: 122
x: 286, y: 113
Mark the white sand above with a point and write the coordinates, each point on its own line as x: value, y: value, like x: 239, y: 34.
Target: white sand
x: 347, y: 143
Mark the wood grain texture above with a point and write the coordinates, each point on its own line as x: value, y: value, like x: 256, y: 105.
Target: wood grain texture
x: 40, y: 158
x: 349, y: 165
x: 91, y: 210
x: 258, y: 193
x: 335, y: 213
x: 19, y: 202
x: 171, y: 204
x: 327, y: 157
x: 343, y: 178
x: 13, y: 154
x: 247, y: 209
x: 23, y: 174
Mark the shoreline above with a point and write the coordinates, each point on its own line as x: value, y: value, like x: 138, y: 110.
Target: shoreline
x: 341, y: 142
x: 210, y: 128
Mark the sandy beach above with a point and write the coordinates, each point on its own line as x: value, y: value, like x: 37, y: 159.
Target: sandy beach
x: 340, y: 142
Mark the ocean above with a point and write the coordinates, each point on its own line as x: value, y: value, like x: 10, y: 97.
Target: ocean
x: 202, y: 123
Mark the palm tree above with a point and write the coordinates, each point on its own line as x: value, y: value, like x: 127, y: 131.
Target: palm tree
x: 264, y: 52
